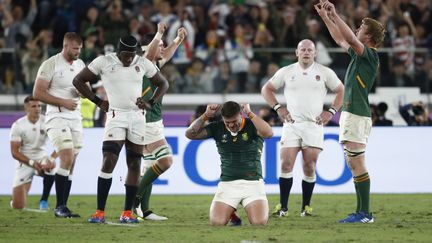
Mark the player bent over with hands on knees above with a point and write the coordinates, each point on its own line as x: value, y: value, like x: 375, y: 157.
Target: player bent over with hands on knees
x: 121, y: 74
x: 355, y: 121
x: 305, y: 87
x: 157, y: 153
x: 27, y: 139
x: 240, y: 142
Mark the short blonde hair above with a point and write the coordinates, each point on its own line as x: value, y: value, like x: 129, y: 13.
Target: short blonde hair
x: 376, y: 30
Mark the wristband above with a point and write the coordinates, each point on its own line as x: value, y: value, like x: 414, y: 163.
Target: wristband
x: 251, y: 115
x: 96, y: 100
x: 177, y: 40
x: 332, y: 110
x: 277, y: 106
x: 205, y: 117
x: 31, y: 162
x: 158, y: 36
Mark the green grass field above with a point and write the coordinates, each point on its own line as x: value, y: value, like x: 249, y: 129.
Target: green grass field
x: 398, y: 218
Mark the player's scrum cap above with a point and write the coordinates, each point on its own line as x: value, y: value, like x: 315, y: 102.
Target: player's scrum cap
x: 127, y: 43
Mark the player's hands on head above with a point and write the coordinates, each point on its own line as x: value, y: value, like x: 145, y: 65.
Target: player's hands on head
x: 212, y: 109
x: 161, y: 27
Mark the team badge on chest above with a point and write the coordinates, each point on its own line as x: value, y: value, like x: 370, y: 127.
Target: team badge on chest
x: 317, y: 78
x: 245, y: 137
x: 137, y: 69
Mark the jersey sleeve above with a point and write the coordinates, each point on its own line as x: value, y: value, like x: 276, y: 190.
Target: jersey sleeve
x: 278, y: 79
x: 46, y: 70
x: 97, y: 64
x: 332, y: 80
x: 15, y: 134
x: 210, y: 128
x: 150, y: 68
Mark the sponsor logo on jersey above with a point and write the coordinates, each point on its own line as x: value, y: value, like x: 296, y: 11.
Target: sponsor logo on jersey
x: 245, y: 136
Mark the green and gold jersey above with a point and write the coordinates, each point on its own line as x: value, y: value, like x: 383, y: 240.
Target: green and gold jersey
x: 155, y: 113
x: 240, y: 155
x: 359, y: 79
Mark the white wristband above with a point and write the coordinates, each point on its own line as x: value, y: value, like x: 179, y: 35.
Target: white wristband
x: 332, y: 110
x: 277, y: 106
x: 158, y: 36
x: 31, y: 162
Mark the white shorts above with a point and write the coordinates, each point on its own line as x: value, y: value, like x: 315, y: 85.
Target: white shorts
x: 122, y: 125
x: 302, y: 134
x: 65, y: 133
x: 354, y: 128
x: 23, y: 174
x: 154, y: 132
x: 238, y: 192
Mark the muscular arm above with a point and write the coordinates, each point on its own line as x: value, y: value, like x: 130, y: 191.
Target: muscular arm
x: 40, y: 92
x: 337, y: 102
x: 264, y: 130
x: 80, y: 83
x: 16, y: 154
x: 268, y: 92
x: 348, y: 35
x: 197, y: 130
x: 162, y: 86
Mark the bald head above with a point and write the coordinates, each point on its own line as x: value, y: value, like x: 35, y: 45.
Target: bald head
x: 306, y: 52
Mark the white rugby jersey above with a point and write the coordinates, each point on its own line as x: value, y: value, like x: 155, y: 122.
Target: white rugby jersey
x: 123, y: 85
x: 60, y: 74
x: 305, y: 89
x: 33, y: 137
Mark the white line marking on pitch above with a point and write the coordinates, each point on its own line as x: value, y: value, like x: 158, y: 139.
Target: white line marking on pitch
x: 35, y: 210
x: 120, y: 224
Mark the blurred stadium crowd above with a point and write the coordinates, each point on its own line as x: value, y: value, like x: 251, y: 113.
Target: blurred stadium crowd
x: 233, y: 46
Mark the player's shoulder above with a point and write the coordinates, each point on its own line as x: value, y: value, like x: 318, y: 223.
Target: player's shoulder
x: 51, y: 61
x: 20, y: 122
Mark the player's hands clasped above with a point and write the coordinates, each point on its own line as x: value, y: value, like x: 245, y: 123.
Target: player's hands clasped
x: 211, y: 110
x: 284, y: 115
x: 323, y: 118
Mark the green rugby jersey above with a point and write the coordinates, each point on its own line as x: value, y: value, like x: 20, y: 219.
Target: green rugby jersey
x: 240, y: 155
x: 359, y: 79
x: 155, y: 113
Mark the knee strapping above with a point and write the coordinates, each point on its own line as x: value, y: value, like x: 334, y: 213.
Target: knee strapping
x: 161, y: 152
x: 354, y: 152
x: 111, y: 147
x: 60, y: 144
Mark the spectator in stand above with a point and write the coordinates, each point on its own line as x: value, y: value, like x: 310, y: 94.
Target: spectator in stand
x: 197, y: 79
x: 114, y: 23
x: 404, y: 43
x: 415, y: 114
x: 381, y: 109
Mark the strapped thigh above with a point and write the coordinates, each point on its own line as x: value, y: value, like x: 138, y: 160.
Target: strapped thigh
x: 354, y: 152
x: 161, y: 152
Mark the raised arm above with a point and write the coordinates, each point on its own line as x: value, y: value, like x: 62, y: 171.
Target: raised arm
x: 331, y: 26
x: 168, y: 52
x: 346, y: 32
x: 153, y: 46
x: 264, y: 130
x: 196, y: 129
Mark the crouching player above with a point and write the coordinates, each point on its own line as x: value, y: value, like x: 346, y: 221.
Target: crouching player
x: 240, y: 142
x: 27, y: 139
